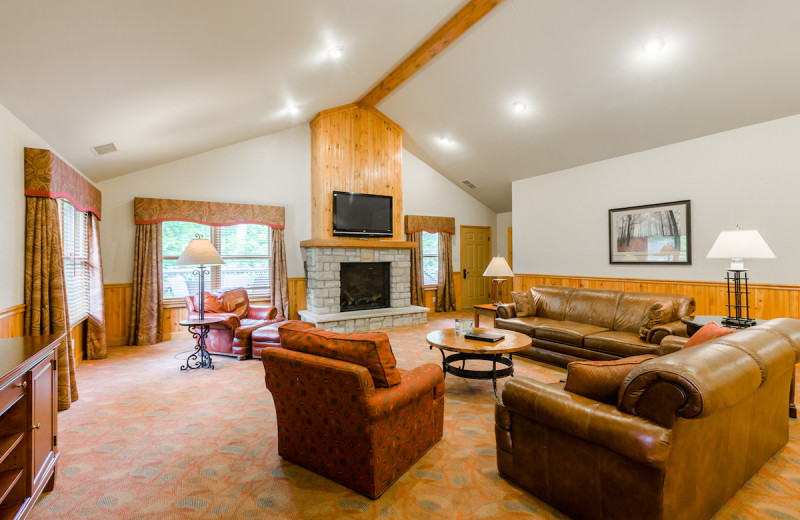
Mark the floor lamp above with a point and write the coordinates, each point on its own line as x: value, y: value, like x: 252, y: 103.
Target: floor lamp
x: 737, y: 245
x: 498, y: 268
x: 200, y: 252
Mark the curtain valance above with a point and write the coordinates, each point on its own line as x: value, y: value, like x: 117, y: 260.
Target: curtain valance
x: 430, y: 224
x: 46, y: 175
x: 150, y: 211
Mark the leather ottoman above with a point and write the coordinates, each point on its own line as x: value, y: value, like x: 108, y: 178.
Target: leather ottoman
x: 266, y: 337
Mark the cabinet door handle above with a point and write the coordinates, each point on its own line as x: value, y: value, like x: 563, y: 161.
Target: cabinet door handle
x: 23, y: 384
x: 36, y: 426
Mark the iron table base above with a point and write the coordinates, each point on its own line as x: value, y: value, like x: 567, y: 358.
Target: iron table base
x: 200, y: 358
x: 466, y: 373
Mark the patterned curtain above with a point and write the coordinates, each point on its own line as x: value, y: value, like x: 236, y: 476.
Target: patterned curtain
x: 278, y: 274
x: 96, y: 325
x: 146, y: 305
x: 45, y: 295
x: 445, y: 291
x: 417, y: 283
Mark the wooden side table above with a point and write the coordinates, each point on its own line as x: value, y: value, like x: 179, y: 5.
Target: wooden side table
x: 485, y: 309
x: 200, y: 358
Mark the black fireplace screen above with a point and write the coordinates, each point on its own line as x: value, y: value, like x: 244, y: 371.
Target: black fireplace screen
x: 364, y: 285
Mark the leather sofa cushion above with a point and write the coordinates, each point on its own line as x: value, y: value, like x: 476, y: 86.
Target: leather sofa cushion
x: 551, y: 301
x: 525, y: 325
x: 707, y: 332
x: 524, y: 303
x: 593, y: 306
x: 569, y: 332
x: 368, y: 349
x: 600, y: 380
x: 623, y: 344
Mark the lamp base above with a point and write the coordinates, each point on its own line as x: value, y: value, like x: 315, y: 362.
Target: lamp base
x: 739, y: 323
x: 497, y: 291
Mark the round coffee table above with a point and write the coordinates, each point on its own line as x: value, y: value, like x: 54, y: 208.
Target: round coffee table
x: 469, y: 349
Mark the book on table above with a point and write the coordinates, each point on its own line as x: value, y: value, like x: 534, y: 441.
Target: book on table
x: 484, y: 336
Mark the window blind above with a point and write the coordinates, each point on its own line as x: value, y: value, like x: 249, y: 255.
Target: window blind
x: 75, y: 254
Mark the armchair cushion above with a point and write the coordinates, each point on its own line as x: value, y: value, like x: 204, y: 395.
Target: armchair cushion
x: 368, y: 349
x: 237, y: 302
x: 707, y: 332
x: 214, y: 301
x: 600, y: 380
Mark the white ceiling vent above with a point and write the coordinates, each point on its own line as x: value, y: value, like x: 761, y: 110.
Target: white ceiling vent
x: 468, y: 184
x: 104, y: 148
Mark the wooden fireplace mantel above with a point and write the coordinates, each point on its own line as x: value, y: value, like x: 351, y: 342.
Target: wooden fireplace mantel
x: 357, y: 244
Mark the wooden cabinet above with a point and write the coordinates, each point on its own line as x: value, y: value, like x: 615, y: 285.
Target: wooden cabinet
x: 28, y: 431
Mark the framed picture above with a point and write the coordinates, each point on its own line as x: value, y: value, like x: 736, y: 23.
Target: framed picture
x: 652, y: 234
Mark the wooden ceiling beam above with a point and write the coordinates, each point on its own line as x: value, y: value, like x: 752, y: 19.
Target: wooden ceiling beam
x: 447, y: 34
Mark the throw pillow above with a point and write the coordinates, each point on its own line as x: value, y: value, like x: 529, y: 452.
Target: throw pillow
x: 658, y: 314
x: 237, y: 302
x: 213, y: 302
x: 600, y: 380
x: 524, y: 303
x: 707, y: 332
x: 368, y: 349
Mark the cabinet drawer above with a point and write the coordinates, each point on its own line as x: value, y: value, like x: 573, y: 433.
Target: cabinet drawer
x: 10, y: 393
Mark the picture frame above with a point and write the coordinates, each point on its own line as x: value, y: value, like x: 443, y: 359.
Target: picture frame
x: 651, y: 234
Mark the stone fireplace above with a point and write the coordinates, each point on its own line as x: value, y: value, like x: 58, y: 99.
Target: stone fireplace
x: 364, y: 285
x: 343, y: 286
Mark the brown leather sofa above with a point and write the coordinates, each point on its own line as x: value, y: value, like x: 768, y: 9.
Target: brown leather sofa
x: 232, y: 336
x: 689, y: 429
x: 571, y: 324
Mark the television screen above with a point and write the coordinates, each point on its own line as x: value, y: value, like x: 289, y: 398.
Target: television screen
x: 362, y: 214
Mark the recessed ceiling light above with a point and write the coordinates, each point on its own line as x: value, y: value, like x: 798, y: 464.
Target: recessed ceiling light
x: 654, y: 46
x: 293, y: 109
x: 446, y: 139
x: 336, y: 52
x: 519, y: 106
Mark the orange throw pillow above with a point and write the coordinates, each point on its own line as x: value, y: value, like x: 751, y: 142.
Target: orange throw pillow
x: 600, y: 380
x: 707, y: 332
x: 237, y: 302
x: 213, y: 302
x: 368, y: 349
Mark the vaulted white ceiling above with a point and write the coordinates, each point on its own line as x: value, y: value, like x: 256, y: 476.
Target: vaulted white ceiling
x: 171, y: 78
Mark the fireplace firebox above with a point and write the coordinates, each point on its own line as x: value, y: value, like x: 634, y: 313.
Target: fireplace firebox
x: 364, y: 285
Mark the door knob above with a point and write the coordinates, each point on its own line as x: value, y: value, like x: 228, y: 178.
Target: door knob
x: 37, y: 426
x: 465, y: 273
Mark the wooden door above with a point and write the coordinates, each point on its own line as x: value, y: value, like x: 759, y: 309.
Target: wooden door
x: 476, y: 253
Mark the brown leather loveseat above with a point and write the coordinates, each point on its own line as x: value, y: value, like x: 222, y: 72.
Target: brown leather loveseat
x: 570, y: 324
x: 689, y: 429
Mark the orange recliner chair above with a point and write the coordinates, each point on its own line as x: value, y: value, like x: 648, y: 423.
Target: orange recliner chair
x: 345, y: 411
x: 232, y: 336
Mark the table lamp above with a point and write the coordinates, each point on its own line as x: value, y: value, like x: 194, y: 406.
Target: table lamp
x: 737, y: 245
x: 200, y: 252
x: 497, y: 268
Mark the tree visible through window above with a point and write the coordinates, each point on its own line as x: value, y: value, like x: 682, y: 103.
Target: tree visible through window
x: 244, y: 247
x: 430, y: 258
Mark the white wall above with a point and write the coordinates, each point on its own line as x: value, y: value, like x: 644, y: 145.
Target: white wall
x: 14, y: 137
x: 503, y: 223
x: 749, y: 176
x: 427, y: 192
x: 273, y: 170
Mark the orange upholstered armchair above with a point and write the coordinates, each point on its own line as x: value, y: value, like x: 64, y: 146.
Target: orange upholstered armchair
x: 345, y: 411
x: 232, y: 336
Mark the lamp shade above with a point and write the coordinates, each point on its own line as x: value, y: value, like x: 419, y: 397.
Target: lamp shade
x: 200, y: 251
x: 498, y: 267
x: 740, y: 243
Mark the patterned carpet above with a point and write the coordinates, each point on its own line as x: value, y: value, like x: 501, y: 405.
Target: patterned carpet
x: 148, y: 441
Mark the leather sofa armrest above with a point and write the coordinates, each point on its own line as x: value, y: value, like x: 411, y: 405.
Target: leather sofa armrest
x: 229, y: 320
x: 597, y: 423
x: 414, y: 384
x: 659, y: 332
x: 670, y: 344
x: 506, y: 310
x: 262, y: 312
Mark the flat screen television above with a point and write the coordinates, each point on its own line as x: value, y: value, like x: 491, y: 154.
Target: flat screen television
x: 361, y: 215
